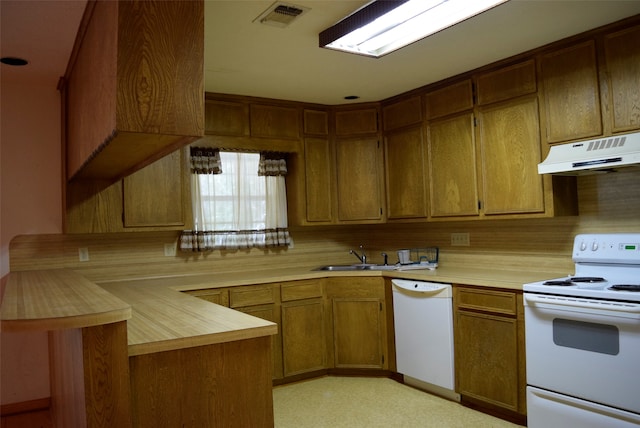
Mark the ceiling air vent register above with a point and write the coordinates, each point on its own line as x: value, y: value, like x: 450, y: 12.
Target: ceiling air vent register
x: 281, y: 14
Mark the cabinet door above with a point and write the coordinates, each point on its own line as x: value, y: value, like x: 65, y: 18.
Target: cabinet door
x: 486, y: 358
x: 303, y: 336
x: 357, y: 326
x: 358, y: 323
x: 356, y: 122
x: 510, y: 146
x: 571, y: 94
x: 270, y: 313
x: 406, y: 174
x: 359, y: 179
x: 402, y: 113
x: 451, y: 99
x: 274, y: 121
x: 453, y: 188
x: 318, y: 161
x: 226, y: 118
x: 157, y: 194
x: 622, y: 50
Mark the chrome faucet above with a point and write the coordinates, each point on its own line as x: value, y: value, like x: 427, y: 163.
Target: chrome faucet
x: 363, y: 258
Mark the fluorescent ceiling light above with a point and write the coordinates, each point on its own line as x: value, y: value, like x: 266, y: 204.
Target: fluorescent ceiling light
x: 384, y: 26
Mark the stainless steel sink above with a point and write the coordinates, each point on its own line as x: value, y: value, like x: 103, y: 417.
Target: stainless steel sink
x: 355, y: 267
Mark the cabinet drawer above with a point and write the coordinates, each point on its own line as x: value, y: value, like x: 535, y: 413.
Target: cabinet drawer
x: 300, y: 290
x: 251, y: 295
x: 503, y: 302
x: 219, y: 296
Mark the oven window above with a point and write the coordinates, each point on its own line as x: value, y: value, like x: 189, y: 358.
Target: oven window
x: 586, y: 336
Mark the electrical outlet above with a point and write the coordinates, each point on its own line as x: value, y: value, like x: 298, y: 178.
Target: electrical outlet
x: 460, y: 239
x: 83, y: 254
x: 170, y: 249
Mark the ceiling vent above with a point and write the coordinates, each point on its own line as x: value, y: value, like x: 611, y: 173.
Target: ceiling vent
x: 281, y: 14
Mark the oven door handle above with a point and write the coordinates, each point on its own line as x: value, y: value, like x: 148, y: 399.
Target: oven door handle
x: 602, y: 305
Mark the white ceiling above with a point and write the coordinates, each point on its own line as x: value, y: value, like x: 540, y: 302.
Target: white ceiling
x: 245, y: 58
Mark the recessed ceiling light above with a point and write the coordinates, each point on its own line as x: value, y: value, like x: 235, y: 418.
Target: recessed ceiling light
x: 351, y: 97
x: 18, y: 62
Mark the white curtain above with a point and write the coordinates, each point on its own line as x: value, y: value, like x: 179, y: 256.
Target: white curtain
x: 240, y: 207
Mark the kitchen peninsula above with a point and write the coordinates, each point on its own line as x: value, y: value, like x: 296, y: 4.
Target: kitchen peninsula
x: 190, y: 363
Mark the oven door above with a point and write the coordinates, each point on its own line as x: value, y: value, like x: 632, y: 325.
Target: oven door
x: 584, y: 348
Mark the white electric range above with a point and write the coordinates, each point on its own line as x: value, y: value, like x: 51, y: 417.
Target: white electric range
x: 583, y: 338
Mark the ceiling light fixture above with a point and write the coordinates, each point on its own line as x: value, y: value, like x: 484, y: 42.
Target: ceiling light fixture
x: 384, y: 26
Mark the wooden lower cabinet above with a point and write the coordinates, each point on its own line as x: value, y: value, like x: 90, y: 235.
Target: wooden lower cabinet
x: 358, y: 322
x: 303, y: 327
x: 219, y: 385
x: 262, y: 301
x: 219, y: 296
x: 489, y: 349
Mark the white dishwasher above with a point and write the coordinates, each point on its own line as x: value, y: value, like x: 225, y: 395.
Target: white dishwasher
x: 423, y: 318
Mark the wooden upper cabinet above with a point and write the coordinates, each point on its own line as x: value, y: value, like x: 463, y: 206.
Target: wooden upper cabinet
x: 226, y: 118
x: 571, y: 93
x: 406, y: 173
x: 453, y: 186
x: 359, y: 179
x: 318, y: 161
x: 356, y: 122
x: 505, y: 83
x: 316, y: 122
x: 451, y: 99
x: 274, y: 121
x: 402, y: 113
x: 622, y: 54
x: 509, y: 137
x: 158, y: 194
x: 133, y: 92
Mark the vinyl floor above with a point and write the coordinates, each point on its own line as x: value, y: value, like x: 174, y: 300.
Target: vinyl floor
x: 370, y: 402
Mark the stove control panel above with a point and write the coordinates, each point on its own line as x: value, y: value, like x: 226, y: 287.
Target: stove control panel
x: 619, y: 248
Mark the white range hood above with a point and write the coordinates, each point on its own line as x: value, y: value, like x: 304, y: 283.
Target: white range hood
x: 593, y: 156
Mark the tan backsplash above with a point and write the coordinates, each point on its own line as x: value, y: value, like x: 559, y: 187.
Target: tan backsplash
x: 608, y: 203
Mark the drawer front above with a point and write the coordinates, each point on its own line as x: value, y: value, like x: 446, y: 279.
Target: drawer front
x: 503, y: 302
x: 300, y: 290
x: 251, y: 295
x: 217, y: 296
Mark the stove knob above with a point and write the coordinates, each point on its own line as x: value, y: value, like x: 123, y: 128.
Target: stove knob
x: 583, y: 246
x: 594, y: 246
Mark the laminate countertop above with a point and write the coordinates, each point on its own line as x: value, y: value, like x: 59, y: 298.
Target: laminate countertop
x: 42, y: 300
x: 160, y: 317
x: 490, y: 277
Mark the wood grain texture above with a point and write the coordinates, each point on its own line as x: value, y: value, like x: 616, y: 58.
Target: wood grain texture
x: 160, y: 67
x: 571, y: 93
x: 451, y: 99
x: 57, y: 299
x: 406, y: 173
x: 509, y: 138
x: 623, y: 68
x: 507, y: 82
x: 220, y: 385
x: 453, y: 190
x: 86, y: 134
x: 356, y: 122
x: 165, y: 320
x: 303, y: 336
x: 359, y: 179
x: 106, y: 375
